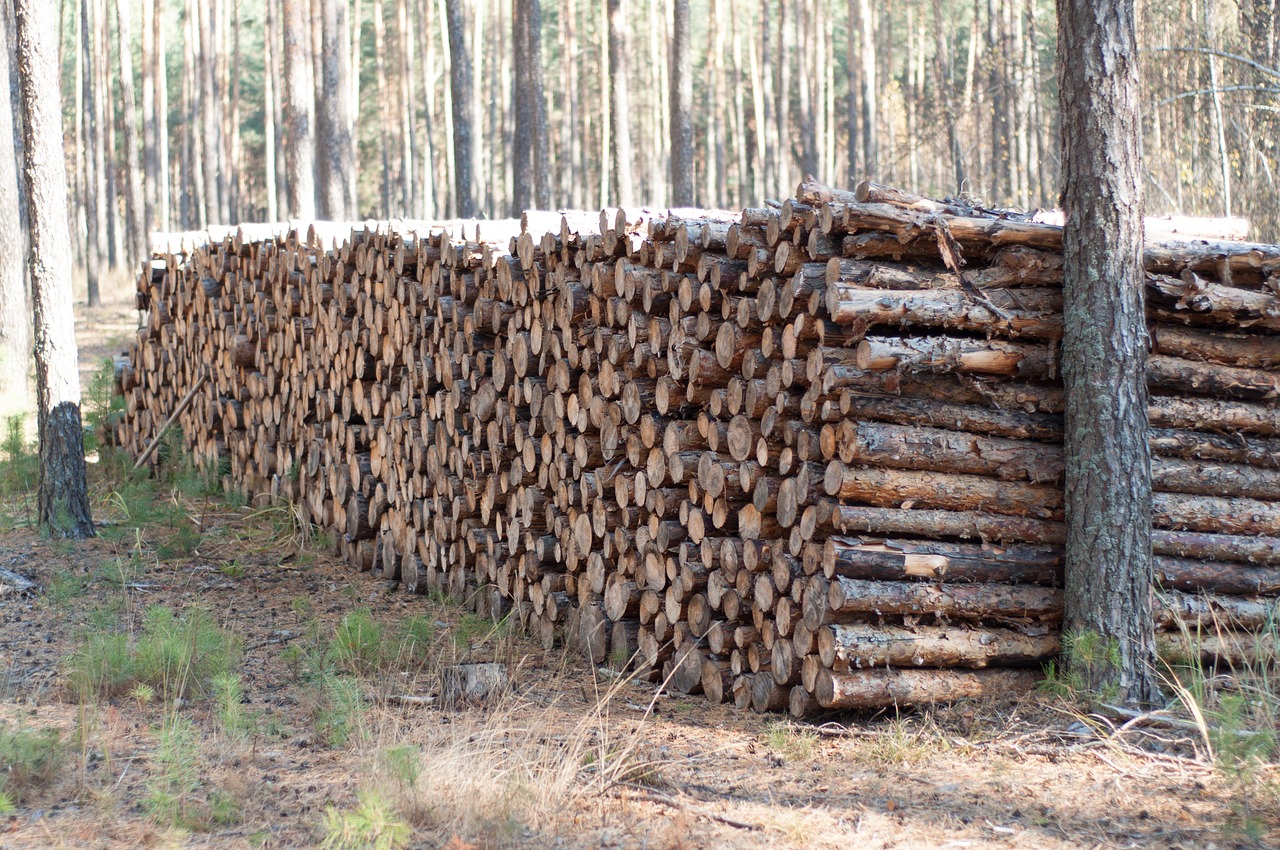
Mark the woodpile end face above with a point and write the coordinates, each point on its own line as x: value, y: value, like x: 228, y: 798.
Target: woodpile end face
x: 800, y: 458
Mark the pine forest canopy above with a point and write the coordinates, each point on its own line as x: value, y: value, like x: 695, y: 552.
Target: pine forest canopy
x: 917, y: 94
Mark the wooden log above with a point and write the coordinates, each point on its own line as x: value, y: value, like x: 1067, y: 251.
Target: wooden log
x: 865, y: 689
x: 867, y: 645
x: 462, y: 684
x: 850, y: 598
x: 897, y: 559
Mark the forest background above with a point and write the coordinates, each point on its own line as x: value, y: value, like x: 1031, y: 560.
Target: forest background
x: 941, y: 97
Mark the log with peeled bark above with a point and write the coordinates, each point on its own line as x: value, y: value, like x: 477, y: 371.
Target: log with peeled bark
x: 944, y: 491
x: 884, y: 559
x: 866, y: 645
x: 954, y: 354
x: 1033, y: 313
x: 864, y: 689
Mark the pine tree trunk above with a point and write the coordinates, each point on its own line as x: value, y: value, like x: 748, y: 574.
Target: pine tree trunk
x: 407, y: 108
x: 542, y: 194
x: 460, y: 94
x: 681, y: 108
x: 867, y: 57
x: 1108, y: 462
x: 231, y: 83
x: 210, y: 123
x: 107, y: 113
x: 620, y: 104
x: 269, y: 138
x: 135, y: 207
x: 63, y: 495
x: 522, y: 140
x: 150, y: 162
x: 333, y: 118
x: 15, y: 305
x: 159, y: 73
x: 384, y: 108
x: 426, y: 47
x: 946, y: 86
x: 95, y: 221
x: 300, y: 148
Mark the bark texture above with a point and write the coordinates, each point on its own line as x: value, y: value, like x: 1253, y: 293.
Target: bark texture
x: 463, y: 112
x: 300, y: 148
x: 333, y: 117
x: 681, y: 108
x: 1108, y: 472
x: 15, y: 304
x: 63, y: 495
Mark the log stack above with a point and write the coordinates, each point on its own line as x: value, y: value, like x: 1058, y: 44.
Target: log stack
x: 796, y: 458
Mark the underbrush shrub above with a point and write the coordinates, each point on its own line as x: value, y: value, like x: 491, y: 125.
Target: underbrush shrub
x: 175, y: 655
x: 29, y: 760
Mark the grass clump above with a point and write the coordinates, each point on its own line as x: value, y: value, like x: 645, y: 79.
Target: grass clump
x: 29, y: 760
x: 1237, y: 717
x: 794, y: 743
x: 171, y: 787
x: 339, y: 709
x: 173, y: 655
x: 358, y: 645
x: 372, y: 825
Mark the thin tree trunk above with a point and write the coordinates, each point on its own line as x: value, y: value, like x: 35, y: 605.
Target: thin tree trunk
x: 408, y: 196
x: 231, y: 82
x: 135, y: 207
x: 522, y: 142
x: 450, y: 162
x: 768, y: 127
x: 95, y: 222
x: 620, y: 103
x: 150, y: 160
x: 460, y: 95
x: 867, y: 56
x: 942, y: 68
x: 63, y: 495
x: 269, y: 138
x: 384, y: 108
x: 211, y: 124
x: 426, y: 46
x: 1108, y: 624
x: 681, y: 108
x: 333, y: 119
x: 15, y: 305
x: 298, y: 102
x: 160, y: 74
x: 106, y: 119
x: 542, y: 193
x: 192, y: 183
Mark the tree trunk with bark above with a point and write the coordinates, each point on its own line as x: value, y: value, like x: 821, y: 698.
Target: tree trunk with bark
x: 681, y: 108
x: 1108, y: 474
x: 135, y: 207
x: 463, y: 113
x: 620, y: 104
x: 15, y: 303
x: 333, y: 119
x: 63, y: 495
x: 300, y: 148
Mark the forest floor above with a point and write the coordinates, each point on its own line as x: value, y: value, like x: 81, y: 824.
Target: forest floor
x: 206, y: 674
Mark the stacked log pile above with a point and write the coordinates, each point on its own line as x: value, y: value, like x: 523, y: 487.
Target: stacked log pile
x: 796, y: 458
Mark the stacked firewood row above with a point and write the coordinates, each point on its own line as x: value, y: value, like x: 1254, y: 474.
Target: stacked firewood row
x: 797, y: 458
